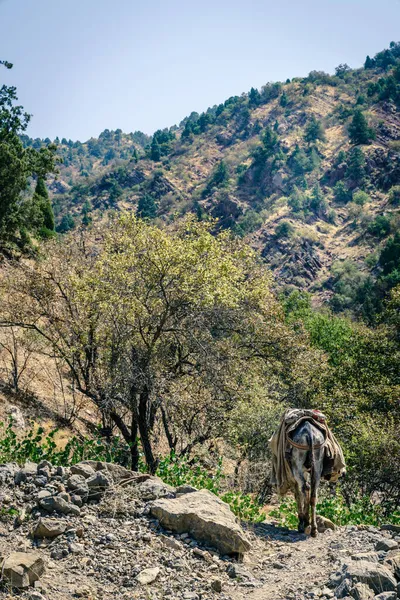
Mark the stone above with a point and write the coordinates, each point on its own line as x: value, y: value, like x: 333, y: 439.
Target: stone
x: 116, y: 472
x: 361, y: 591
x: 390, y: 527
x: 323, y: 524
x: 343, y: 589
x: 148, y: 575
x: 205, y: 517
x: 18, y: 418
x: 83, y: 470
x: 28, y: 470
x: 377, y: 576
x: 170, y: 542
x: 48, y: 528
x: 36, y: 596
x: 154, y: 488
x: 366, y: 556
x: 386, y: 596
x: 236, y: 571
x: 78, y: 485
x: 216, y: 584
x: 60, y: 505
x: 98, y: 483
x: 394, y: 563
x: 185, y: 489
x: 22, y: 569
x: 76, y: 548
x: 386, y: 545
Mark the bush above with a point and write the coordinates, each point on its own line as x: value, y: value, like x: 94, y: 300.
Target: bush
x: 283, y: 230
x: 380, y: 226
x: 394, y: 195
x: 360, y: 197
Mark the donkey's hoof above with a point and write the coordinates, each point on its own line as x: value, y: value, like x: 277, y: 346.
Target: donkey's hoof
x: 313, y: 533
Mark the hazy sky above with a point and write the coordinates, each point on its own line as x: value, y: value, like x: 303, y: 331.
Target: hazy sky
x: 82, y: 66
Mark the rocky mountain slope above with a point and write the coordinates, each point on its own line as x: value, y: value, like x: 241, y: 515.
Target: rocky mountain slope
x: 306, y: 170
x: 95, y: 530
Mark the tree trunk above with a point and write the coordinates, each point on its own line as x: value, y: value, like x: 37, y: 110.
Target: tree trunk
x: 170, y: 438
x: 145, y: 432
x: 130, y: 437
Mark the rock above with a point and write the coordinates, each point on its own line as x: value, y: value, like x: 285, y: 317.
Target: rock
x: 48, y: 528
x: 386, y: 545
x: 216, y: 584
x: 59, y: 505
x: 116, y: 472
x: 386, y: 596
x: 36, y: 596
x: 394, y: 563
x: 206, y: 517
x: 148, y: 575
x: 17, y: 417
x: 76, y: 548
x: 22, y: 569
x: 361, y: 591
x: 28, y: 470
x: 377, y: 576
x: 154, y: 488
x: 98, y: 483
x: 323, y: 524
x: 236, y: 571
x: 170, y: 542
x: 390, y: 527
x: 185, y: 489
x: 78, y: 485
x: 366, y: 556
x: 343, y: 589
x: 83, y: 470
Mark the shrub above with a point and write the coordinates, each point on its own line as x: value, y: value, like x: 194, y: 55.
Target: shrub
x: 283, y: 230
x: 360, y: 197
x: 394, y: 195
x: 380, y: 226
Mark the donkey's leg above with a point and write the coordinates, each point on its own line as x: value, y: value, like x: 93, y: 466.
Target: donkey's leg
x: 315, y: 481
x: 300, y: 496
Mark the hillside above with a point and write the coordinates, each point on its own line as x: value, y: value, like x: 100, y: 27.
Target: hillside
x: 306, y: 170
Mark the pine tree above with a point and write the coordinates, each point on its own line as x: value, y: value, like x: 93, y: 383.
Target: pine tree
x: 155, y: 152
x: 146, y: 208
x: 254, y: 97
x: 283, y: 99
x: 356, y: 166
x: 369, y: 63
x: 359, y: 131
x: 314, y: 130
x: 41, y: 198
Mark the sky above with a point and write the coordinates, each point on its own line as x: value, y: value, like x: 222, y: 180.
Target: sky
x: 82, y: 66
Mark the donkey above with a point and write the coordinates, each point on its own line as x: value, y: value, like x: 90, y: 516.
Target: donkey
x: 307, y: 455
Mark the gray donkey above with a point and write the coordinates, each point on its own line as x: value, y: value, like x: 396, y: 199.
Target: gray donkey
x: 307, y: 456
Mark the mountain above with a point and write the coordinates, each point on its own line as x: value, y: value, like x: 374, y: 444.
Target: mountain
x: 306, y: 170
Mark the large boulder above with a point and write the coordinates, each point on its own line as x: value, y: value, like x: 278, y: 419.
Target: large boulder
x: 153, y: 488
x: 22, y: 569
x: 60, y: 505
x: 205, y: 517
x: 376, y: 576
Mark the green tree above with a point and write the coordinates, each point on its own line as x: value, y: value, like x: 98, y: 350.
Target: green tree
x: 314, y: 130
x: 17, y: 164
x: 283, y: 101
x: 254, y: 97
x: 356, y: 168
x: 155, y: 152
x: 45, y: 205
x: 341, y: 193
x: 146, y: 208
x: 359, y: 131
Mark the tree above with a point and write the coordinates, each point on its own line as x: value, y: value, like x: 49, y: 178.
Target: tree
x: 177, y: 325
x: 146, y: 208
x: 314, y: 130
x: 17, y: 163
x: 45, y: 204
x: 283, y: 101
x: 155, y: 152
x: 369, y: 63
x: 359, y: 131
x: 341, y: 193
x: 254, y: 97
x: 356, y: 168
